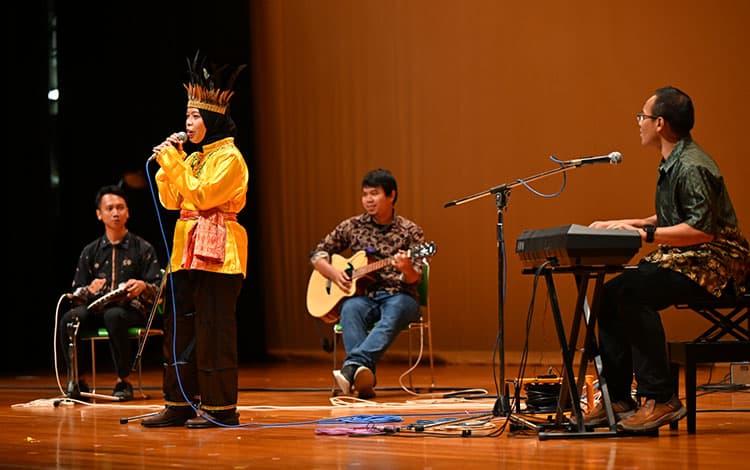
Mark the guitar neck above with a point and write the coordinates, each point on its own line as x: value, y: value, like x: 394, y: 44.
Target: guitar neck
x: 368, y: 268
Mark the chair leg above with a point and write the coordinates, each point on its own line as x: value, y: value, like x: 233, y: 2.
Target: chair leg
x: 335, y: 348
x: 93, y: 365
x: 415, y: 363
x: 676, y: 381
x: 690, y: 378
x: 409, y: 365
x: 432, y: 360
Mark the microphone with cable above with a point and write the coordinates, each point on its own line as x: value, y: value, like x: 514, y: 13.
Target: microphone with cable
x: 181, y: 136
x: 613, y: 157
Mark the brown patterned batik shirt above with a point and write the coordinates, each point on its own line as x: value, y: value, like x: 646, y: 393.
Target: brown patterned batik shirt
x: 362, y: 233
x: 690, y: 189
x: 131, y: 258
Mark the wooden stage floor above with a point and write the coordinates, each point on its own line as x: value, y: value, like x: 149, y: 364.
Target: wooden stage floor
x: 80, y: 436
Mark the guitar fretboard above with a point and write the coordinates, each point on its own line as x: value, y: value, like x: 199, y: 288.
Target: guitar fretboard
x: 414, y: 253
x: 367, y: 269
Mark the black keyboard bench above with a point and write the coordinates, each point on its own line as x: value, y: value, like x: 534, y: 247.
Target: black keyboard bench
x: 709, y: 348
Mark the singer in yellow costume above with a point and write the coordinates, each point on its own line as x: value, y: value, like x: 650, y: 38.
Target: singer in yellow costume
x: 209, y: 257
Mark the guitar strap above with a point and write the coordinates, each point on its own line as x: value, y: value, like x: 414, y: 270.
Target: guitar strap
x: 373, y: 252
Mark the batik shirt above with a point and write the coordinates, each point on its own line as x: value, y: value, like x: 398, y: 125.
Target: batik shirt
x: 690, y: 189
x: 362, y: 233
x: 131, y: 258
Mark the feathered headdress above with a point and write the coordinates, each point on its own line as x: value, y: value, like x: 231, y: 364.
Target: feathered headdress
x: 208, y: 90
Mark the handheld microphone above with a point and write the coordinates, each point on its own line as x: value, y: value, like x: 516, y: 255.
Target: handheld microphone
x: 181, y: 136
x: 613, y: 157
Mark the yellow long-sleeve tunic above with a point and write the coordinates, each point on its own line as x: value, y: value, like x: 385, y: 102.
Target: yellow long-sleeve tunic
x: 215, y: 178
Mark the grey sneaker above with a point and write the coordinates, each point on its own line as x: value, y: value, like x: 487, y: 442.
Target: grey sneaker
x: 364, y: 382
x: 345, y: 378
x: 123, y: 390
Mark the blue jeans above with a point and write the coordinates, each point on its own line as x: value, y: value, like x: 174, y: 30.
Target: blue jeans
x: 371, y: 324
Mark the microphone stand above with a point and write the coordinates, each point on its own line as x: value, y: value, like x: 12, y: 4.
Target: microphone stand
x: 150, y: 321
x: 73, y: 390
x: 142, y: 343
x: 502, y: 192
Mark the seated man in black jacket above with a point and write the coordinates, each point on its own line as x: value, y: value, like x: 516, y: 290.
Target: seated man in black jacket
x: 116, y: 260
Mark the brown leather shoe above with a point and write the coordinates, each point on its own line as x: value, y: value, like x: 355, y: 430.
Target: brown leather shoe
x: 170, y: 416
x: 652, y: 415
x: 598, y: 416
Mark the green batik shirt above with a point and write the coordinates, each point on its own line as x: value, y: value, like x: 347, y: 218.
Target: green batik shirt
x: 690, y: 189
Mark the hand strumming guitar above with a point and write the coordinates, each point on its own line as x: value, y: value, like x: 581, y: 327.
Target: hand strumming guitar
x: 337, y: 276
x: 341, y: 279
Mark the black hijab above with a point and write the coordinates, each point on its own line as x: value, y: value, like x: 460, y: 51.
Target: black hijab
x: 218, y: 126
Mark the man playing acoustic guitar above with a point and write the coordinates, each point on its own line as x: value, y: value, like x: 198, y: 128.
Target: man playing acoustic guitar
x: 373, y: 317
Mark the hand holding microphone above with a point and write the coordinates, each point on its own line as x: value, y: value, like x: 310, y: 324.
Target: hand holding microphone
x: 175, y: 140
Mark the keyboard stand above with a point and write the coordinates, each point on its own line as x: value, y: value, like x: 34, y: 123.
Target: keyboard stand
x: 571, y: 387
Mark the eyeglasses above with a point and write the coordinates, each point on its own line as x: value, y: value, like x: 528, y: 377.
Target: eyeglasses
x: 641, y: 116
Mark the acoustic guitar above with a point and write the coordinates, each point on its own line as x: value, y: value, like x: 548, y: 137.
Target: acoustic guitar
x: 324, y: 296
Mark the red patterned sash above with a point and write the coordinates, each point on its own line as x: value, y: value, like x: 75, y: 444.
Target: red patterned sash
x: 207, y: 239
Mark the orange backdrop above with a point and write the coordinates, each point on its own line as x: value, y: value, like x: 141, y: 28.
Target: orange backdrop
x: 457, y: 96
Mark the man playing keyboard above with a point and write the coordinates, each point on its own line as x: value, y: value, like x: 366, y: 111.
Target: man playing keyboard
x: 698, y: 253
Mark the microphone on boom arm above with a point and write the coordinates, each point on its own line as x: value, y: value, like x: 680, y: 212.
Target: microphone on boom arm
x: 613, y: 157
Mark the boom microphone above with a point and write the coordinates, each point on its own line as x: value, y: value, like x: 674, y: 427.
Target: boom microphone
x: 181, y: 136
x: 612, y: 157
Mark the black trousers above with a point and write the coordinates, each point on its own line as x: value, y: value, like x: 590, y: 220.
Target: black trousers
x: 205, y: 345
x: 631, y: 334
x: 116, y: 320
